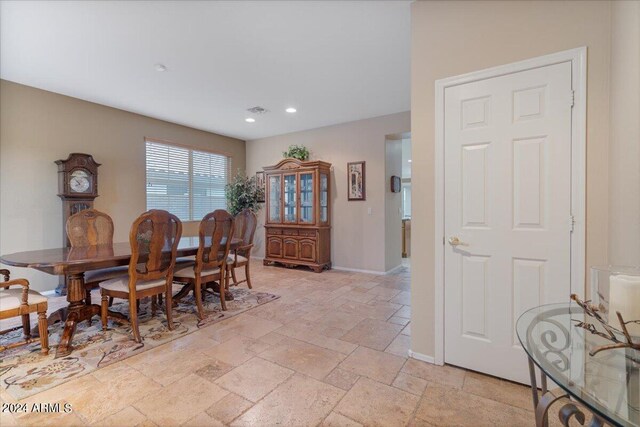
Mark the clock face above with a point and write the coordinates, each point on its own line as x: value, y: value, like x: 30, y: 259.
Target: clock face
x: 80, y: 181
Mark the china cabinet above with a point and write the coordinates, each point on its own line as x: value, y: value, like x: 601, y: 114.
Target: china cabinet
x: 298, y: 223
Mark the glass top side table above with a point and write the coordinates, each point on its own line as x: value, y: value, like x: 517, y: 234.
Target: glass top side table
x: 607, y: 384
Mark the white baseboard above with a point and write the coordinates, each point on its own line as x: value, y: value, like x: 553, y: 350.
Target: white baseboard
x: 357, y: 270
x: 422, y: 357
x: 354, y: 270
x: 396, y: 268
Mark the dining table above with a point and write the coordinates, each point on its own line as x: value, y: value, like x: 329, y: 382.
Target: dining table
x: 73, y: 263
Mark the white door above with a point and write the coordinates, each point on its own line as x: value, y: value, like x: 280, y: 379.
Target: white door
x: 508, y: 202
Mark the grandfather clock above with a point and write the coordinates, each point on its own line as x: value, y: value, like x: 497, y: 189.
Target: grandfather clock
x: 77, y: 187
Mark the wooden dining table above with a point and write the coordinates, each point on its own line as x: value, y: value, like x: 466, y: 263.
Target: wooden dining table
x: 73, y: 263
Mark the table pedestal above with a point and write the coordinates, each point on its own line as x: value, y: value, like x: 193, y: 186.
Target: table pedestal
x: 543, y: 399
x: 214, y: 286
x: 77, y: 311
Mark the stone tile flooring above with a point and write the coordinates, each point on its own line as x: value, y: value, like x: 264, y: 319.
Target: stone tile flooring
x: 332, y: 351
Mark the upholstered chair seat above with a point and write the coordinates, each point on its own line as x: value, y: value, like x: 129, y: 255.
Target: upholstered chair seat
x: 20, y: 301
x: 121, y: 284
x: 190, y: 272
x: 12, y: 298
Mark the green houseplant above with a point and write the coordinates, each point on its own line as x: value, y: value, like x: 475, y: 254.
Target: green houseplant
x: 243, y: 193
x: 299, y: 152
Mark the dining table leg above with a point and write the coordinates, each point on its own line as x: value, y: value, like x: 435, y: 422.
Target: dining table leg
x: 77, y: 311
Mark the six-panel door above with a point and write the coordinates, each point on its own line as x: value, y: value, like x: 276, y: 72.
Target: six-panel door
x: 507, y: 210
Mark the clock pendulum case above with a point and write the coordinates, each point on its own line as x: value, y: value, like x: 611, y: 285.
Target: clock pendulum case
x: 77, y: 187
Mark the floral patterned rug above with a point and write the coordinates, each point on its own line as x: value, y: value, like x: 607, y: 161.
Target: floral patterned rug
x: 24, y: 371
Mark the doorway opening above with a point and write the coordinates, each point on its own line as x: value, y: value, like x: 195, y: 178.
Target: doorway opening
x: 398, y: 202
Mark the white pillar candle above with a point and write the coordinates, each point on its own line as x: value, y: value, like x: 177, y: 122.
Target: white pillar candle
x: 624, y: 296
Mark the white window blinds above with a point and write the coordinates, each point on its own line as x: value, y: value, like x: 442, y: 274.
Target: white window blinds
x: 187, y: 183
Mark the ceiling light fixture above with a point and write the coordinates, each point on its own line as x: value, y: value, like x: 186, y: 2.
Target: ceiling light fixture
x: 409, y: 160
x: 160, y: 68
x: 290, y: 110
x: 249, y: 120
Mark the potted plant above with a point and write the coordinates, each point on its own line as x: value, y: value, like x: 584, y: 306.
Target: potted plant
x: 299, y: 152
x: 243, y: 193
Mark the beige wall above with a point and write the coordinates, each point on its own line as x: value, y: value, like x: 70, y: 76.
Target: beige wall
x: 393, y: 206
x: 39, y: 127
x: 624, y: 152
x: 453, y: 38
x: 357, y: 239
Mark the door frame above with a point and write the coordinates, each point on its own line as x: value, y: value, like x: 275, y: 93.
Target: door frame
x: 578, y: 59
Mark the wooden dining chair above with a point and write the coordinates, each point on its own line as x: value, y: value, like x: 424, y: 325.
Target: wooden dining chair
x: 154, y: 239
x: 216, y: 232
x: 246, y: 223
x: 23, y: 302
x: 91, y: 227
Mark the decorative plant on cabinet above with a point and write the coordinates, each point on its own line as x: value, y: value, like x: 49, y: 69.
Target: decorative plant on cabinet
x: 299, y: 152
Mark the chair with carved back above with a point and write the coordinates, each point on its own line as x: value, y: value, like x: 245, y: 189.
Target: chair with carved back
x: 88, y: 228
x: 23, y: 302
x: 245, y: 228
x: 154, y: 239
x: 215, y: 234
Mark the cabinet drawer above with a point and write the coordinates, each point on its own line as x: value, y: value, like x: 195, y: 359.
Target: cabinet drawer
x: 308, y: 233
x: 274, y: 231
x: 289, y: 232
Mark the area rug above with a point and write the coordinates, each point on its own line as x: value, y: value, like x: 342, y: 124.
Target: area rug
x: 24, y: 371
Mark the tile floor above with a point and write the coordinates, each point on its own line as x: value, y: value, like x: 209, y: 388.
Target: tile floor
x: 331, y: 351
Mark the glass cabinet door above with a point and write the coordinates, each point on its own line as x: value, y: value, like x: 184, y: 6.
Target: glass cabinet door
x: 290, y: 202
x: 324, y: 197
x: 306, y: 197
x: 274, y: 198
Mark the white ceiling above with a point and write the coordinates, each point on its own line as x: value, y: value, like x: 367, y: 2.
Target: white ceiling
x: 334, y: 61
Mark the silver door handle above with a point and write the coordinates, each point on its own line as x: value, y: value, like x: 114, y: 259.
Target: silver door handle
x: 455, y: 241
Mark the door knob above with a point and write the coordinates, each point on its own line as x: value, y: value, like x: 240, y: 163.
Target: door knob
x: 455, y: 241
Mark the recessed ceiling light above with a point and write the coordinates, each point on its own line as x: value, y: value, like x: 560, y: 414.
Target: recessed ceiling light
x: 409, y: 160
x: 161, y: 68
x: 249, y: 120
x: 290, y: 110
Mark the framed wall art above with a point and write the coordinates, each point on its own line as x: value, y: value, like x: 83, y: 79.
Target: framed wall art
x: 356, y: 186
x: 396, y: 184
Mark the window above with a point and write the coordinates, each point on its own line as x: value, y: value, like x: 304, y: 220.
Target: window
x: 188, y: 183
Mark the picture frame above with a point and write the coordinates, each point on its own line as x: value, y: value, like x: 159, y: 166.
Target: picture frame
x: 261, y: 184
x: 356, y: 181
x: 396, y: 184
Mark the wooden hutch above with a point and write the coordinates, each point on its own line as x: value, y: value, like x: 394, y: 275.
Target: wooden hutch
x: 298, y: 218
